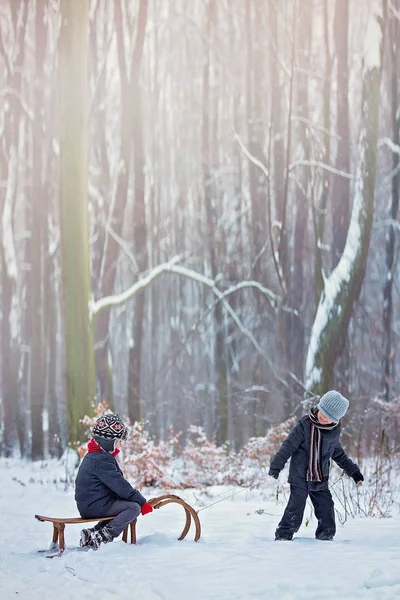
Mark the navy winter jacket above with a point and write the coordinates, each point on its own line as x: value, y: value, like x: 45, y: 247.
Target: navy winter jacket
x: 100, y: 483
x: 296, y: 448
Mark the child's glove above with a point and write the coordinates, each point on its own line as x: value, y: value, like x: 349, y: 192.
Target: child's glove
x: 274, y: 473
x: 358, y: 477
x: 146, y: 508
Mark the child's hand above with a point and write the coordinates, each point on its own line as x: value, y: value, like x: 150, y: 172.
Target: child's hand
x: 358, y: 477
x: 146, y: 508
x: 274, y: 473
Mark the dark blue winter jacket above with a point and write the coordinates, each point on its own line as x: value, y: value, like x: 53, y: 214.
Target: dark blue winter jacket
x: 296, y: 448
x: 100, y: 483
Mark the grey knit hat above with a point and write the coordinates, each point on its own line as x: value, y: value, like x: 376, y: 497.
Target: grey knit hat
x: 333, y: 405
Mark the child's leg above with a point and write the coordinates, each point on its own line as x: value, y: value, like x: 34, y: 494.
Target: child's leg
x: 125, y: 512
x: 325, y: 513
x: 293, y: 515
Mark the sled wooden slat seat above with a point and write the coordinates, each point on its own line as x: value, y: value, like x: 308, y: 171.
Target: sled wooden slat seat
x: 58, y: 541
x: 59, y: 523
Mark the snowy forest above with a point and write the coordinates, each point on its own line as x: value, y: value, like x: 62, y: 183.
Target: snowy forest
x: 199, y: 208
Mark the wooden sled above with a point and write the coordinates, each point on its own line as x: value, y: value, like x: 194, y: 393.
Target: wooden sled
x: 57, y: 546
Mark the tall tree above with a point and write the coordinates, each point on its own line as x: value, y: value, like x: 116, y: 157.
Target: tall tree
x: 341, y: 185
x: 13, y: 57
x: 37, y: 244
x: 294, y: 337
x: 114, y: 206
x: 342, y: 287
x: 209, y: 127
x: 79, y: 352
x: 391, y: 263
x: 139, y: 217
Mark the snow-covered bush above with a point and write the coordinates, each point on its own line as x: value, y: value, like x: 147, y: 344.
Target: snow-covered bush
x: 202, y: 462
x: 250, y: 465
x: 146, y: 462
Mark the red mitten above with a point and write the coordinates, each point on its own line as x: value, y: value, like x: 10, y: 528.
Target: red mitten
x: 146, y: 508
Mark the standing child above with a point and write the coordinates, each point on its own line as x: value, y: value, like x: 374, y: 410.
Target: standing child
x: 311, y: 445
x: 101, y: 490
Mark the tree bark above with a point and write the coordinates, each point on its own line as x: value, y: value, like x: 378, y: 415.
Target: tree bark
x: 135, y: 409
x: 342, y: 287
x: 76, y: 289
x: 36, y: 247
x: 391, y: 263
x: 14, y: 428
x: 341, y: 185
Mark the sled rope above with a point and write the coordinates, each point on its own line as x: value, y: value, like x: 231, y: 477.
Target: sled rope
x: 230, y: 495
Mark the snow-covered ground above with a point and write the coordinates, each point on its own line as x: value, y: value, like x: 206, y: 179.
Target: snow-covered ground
x: 235, y: 559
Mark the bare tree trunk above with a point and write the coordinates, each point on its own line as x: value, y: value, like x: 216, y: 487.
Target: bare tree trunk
x: 105, y: 249
x: 36, y: 247
x: 277, y: 130
x: 13, y: 417
x: 139, y: 219
x: 341, y: 185
x: 211, y: 242
x: 294, y: 330
x: 76, y: 289
x: 255, y: 137
x: 391, y: 263
x: 322, y: 202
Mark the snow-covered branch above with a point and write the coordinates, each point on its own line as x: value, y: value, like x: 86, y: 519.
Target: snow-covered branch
x: 172, y: 267
x: 251, y: 157
x: 390, y: 144
x: 316, y: 126
x: 321, y: 165
x: 124, y: 246
x: 117, y: 299
x: 388, y: 223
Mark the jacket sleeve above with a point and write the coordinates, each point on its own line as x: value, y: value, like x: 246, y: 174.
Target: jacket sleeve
x: 292, y: 442
x: 340, y: 457
x: 111, y: 475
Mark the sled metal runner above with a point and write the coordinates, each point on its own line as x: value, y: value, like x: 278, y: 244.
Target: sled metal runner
x: 57, y: 546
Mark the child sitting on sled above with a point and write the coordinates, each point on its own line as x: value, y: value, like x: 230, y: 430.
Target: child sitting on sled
x: 310, y: 446
x: 100, y: 487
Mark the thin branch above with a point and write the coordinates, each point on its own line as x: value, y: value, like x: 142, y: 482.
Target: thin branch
x: 100, y: 74
x: 312, y: 125
x: 124, y: 246
x: 264, y: 169
x: 251, y: 157
x: 320, y: 165
x: 388, y: 223
x: 7, y: 90
x: 390, y: 144
x: 394, y: 10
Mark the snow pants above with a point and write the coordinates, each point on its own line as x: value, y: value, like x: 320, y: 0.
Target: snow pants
x: 293, y: 515
x: 125, y: 512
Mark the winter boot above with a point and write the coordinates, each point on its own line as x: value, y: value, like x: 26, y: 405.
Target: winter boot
x: 102, y: 536
x: 85, y: 537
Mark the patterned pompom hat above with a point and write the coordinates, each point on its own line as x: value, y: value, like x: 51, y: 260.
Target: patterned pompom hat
x: 110, y: 427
